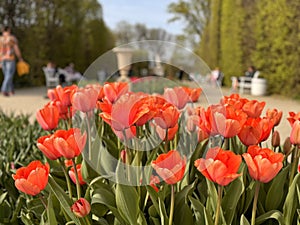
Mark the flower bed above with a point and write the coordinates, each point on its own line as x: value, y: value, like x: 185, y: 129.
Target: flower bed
x: 112, y: 156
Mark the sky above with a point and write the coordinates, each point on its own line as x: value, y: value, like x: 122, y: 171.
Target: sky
x: 151, y: 13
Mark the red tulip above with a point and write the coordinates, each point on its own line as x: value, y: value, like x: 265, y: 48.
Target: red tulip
x: 33, y: 178
x: 84, y: 99
x: 81, y: 207
x: 295, y: 133
x: 263, y: 164
x: 69, y: 143
x: 46, y: 145
x: 170, y: 166
x: 219, y: 166
x: 73, y: 177
x: 48, y: 117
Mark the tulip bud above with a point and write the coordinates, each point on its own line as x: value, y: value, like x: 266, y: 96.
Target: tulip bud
x: 287, y: 146
x: 276, y: 139
x: 123, y: 156
x: 81, y: 207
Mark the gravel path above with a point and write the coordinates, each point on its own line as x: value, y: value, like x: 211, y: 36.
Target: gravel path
x: 29, y: 100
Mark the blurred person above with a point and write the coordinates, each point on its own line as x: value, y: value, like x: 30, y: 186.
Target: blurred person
x: 9, y: 50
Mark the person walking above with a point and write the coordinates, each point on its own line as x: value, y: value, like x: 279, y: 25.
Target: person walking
x: 9, y: 50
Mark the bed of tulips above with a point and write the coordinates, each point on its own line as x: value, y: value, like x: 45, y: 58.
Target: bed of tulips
x: 112, y: 156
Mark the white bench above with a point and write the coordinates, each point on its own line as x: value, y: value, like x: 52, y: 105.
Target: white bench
x: 243, y: 83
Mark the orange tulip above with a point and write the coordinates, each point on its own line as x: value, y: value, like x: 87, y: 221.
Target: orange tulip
x: 84, y: 99
x: 170, y: 166
x: 274, y: 115
x: 263, y: 164
x: 61, y: 94
x: 69, y: 143
x: 73, y: 177
x: 193, y: 93
x: 167, y: 116
x: 171, y: 132
x: 48, y: 117
x: 219, y: 166
x: 293, y: 117
x: 46, y: 145
x: 125, y: 112
x: 253, y: 108
x: 33, y: 178
x: 176, y: 96
x: 81, y: 207
x: 113, y: 91
x: 295, y: 133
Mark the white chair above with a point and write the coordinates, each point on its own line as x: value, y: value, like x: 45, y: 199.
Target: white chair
x: 244, y: 83
x: 52, y: 77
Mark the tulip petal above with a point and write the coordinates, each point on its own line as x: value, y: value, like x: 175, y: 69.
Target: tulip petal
x: 27, y: 187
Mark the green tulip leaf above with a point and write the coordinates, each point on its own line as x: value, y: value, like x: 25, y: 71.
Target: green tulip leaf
x: 127, y: 201
x: 276, y: 191
x: 290, y: 205
x: 244, y: 220
x: 64, y: 199
x: 201, y: 215
x: 231, y: 198
x: 273, y: 214
x: 50, y: 211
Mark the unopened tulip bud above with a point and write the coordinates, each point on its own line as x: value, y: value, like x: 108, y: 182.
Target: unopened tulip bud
x: 123, y: 156
x: 287, y: 145
x: 81, y: 207
x: 276, y: 139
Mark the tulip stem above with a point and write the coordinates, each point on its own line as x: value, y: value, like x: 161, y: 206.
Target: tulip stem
x: 43, y: 201
x: 87, y: 220
x: 172, y: 204
x: 295, y: 161
x: 89, y: 136
x: 255, y: 203
x: 220, y: 190
x: 77, y: 180
x: 166, y: 141
x: 67, y: 177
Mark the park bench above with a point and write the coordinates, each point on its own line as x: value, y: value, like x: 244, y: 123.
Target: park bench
x: 243, y: 83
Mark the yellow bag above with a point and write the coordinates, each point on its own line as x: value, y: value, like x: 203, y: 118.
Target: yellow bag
x: 22, y: 68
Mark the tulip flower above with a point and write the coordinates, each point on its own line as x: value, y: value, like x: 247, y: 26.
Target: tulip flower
x: 81, y: 207
x: 48, y: 117
x: 61, y: 94
x: 33, y: 178
x: 84, y: 99
x: 253, y: 108
x: 125, y: 112
x: 167, y: 116
x: 274, y: 115
x: 171, y: 132
x: 69, y: 143
x: 153, y: 181
x: 73, y: 177
x: 176, y: 96
x: 170, y: 166
x: 275, y: 139
x: 295, y: 133
x: 193, y: 93
x: 219, y: 166
x: 46, y: 145
x: 293, y: 117
x: 263, y: 164
x: 113, y: 91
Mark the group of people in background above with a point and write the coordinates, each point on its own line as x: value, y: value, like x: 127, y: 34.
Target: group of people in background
x: 66, y: 75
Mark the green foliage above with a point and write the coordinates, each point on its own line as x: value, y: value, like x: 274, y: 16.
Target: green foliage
x: 61, y: 31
